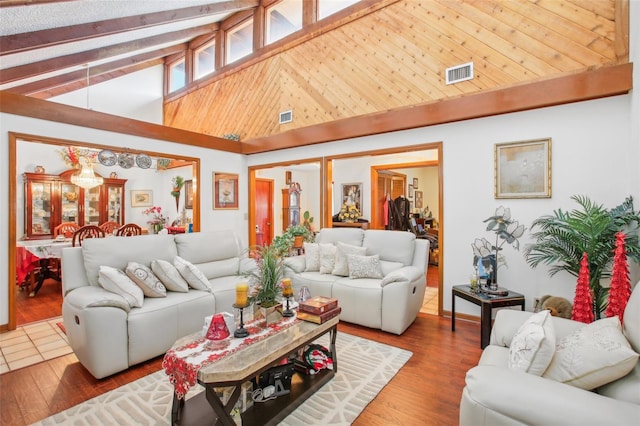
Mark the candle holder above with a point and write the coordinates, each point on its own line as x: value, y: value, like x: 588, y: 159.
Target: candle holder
x: 240, y: 331
x: 288, y: 312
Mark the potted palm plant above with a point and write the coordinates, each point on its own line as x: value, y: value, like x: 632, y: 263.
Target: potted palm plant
x: 266, y: 282
x: 563, y: 237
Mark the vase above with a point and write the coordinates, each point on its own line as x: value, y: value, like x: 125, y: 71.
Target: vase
x: 267, y: 316
x: 156, y: 228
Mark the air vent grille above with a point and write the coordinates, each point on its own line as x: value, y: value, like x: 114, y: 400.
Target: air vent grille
x: 286, y: 117
x: 460, y: 73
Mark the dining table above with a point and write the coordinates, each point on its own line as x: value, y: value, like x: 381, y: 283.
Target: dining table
x: 44, y: 252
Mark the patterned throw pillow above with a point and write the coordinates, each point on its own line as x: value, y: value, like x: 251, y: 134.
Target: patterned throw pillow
x: 533, y: 345
x: 364, y: 266
x: 341, y: 267
x: 169, y: 275
x: 116, y: 281
x: 327, y: 258
x: 311, y: 256
x: 593, y: 356
x: 146, y: 280
x: 191, y: 274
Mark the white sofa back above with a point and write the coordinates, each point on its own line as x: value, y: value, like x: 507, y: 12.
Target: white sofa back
x: 215, y: 253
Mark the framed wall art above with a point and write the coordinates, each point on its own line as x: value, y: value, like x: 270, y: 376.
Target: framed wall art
x: 418, y: 195
x: 188, y: 194
x: 352, y: 194
x: 415, y: 183
x: 410, y: 191
x: 141, y: 197
x: 523, y: 169
x: 225, y: 190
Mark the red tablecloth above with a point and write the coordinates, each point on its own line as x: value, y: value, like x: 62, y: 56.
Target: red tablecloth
x: 25, y: 263
x: 183, y: 363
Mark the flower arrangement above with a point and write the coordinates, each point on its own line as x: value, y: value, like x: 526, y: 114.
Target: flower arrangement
x: 266, y: 278
x: 506, y: 230
x: 178, y: 183
x: 157, y: 218
x: 72, y: 155
x: 349, y: 213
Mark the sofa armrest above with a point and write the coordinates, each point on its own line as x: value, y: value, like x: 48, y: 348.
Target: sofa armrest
x: 531, y: 399
x: 508, y: 321
x: 296, y: 263
x: 92, y: 296
x: 404, y: 274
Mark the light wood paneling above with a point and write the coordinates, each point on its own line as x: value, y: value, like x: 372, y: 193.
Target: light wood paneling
x: 396, y: 57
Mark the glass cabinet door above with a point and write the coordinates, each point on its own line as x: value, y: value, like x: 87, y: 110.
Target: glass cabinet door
x: 70, y: 195
x: 41, y: 208
x: 92, y: 206
x: 115, y: 198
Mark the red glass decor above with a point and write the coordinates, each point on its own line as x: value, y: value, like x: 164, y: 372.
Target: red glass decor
x: 218, y: 328
x: 583, y: 302
x: 620, y: 289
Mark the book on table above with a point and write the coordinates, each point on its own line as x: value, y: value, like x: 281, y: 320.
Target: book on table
x: 319, y: 318
x: 318, y: 305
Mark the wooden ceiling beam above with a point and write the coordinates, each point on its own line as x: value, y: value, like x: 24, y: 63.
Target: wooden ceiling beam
x: 37, y: 68
x: 54, y: 36
x: 64, y: 83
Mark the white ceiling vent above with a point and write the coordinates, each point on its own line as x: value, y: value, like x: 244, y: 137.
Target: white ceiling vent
x: 286, y: 117
x: 460, y: 73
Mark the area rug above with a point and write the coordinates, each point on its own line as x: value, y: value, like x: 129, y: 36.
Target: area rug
x: 364, y: 368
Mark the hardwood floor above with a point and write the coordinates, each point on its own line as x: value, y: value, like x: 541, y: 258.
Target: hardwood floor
x: 426, y: 391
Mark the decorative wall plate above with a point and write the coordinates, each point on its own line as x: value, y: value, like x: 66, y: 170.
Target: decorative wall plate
x: 107, y: 158
x: 126, y: 161
x: 143, y: 161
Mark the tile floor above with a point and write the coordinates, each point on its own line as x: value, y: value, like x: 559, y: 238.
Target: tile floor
x: 430, y: 303
x: 32, y: 343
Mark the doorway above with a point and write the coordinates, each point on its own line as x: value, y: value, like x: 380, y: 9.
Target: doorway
x: 264, y: 212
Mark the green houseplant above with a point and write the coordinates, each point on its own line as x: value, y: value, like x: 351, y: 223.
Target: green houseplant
x: 562, y: 238
x: 265, y: 279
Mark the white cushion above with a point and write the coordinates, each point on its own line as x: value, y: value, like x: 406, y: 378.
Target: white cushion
x: 364, y: 266
x: 341, y: 267
x: 593, y: 356
x: 327, y: 258
x: 116, y: 281
x: 533, y: 345
x: 311, y: 256
x: 191, y: 274
x: 146, y: 280
x: 169, y: 275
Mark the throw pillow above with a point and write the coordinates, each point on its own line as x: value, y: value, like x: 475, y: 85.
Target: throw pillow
x: 145, y: 279
x: 116, y: 281
x: 191, y: 274
x: 169, y: 275
x: 364, y: 266
x: 341, y: 267
x: 593, y: 356
x: 311, y: 256
x: 533, y: 345
x: 327, y: 258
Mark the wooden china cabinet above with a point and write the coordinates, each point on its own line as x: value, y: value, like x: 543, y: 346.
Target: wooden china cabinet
x: 53, y: 199
x: 290, y: 206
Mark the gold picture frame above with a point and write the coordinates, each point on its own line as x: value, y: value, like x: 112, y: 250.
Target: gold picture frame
x: 188, y: 194
x: 225, y: 191
x: 523, y: 169
x: 141, y: 197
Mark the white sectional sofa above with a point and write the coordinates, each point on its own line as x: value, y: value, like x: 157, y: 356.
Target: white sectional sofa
x: 497, y: 395
x: 390, y: 302
x: 106, y: 334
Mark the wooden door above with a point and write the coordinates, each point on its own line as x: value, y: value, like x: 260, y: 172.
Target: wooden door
x: 264, y: 211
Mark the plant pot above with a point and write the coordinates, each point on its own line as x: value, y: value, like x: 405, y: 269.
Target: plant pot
x: 297, y: 241
x: 267, y: 316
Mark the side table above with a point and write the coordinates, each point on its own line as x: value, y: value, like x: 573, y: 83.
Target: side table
x: 486, y: 303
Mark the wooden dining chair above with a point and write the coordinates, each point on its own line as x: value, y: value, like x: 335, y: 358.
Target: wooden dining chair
x: 129, y: 230
x: 109, y: 227
x: 65, y: 228
x: 87, y: 231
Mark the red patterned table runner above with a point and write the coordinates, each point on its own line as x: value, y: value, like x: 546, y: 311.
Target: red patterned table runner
x: 183, y: 363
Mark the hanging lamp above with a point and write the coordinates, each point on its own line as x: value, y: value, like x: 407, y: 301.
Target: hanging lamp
x: 86, y: 179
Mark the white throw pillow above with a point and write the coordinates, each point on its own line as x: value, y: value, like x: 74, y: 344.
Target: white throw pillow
x: 169, y: 275
x: 364, y: 266
x: 593, y: 356
x: 191, y: 274
x: 116, y: 281
x: 341, y: 267
x: 311, y: 256
x: 327, y: 258
x: 146, y: 280
x: 533, y: 345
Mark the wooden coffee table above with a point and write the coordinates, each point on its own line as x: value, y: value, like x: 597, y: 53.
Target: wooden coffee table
x: 238, y: 368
